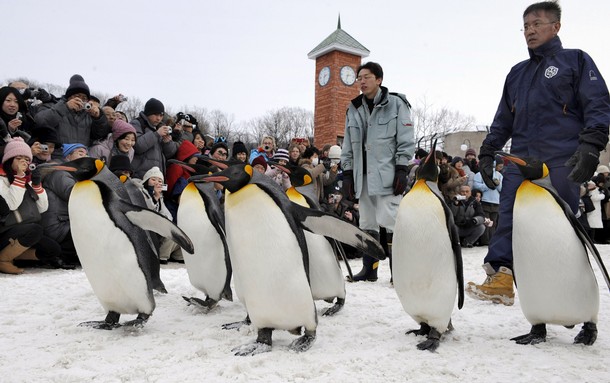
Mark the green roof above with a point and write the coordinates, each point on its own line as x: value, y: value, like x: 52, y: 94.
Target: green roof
x: 339, y: 40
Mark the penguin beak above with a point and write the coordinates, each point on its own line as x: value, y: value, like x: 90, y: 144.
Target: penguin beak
x: 182, y: 164
x: 213, y: 178
x: 512, y: 158
x: 281, y: 167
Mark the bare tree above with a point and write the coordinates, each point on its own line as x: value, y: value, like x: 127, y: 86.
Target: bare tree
x: 283, y: 125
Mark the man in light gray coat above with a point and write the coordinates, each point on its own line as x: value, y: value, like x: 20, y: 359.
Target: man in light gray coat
x: 378, y: 143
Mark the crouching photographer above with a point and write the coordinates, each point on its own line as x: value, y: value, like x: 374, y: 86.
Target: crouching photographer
x: 347, y: 210
x: 468, y: 216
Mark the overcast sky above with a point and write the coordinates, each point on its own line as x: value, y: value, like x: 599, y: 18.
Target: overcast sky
x: 248, y: 57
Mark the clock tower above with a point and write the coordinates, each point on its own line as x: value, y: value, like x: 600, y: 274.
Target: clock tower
x: 337, y: 59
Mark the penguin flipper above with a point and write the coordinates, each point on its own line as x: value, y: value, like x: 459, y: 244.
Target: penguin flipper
x: 454, y: 237
x: 321, y: 223
x: 150, y: 220
x: 582, y: 234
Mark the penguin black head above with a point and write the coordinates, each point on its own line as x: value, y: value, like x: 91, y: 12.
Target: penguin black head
x: 428, y: 170
x: 530, y: 168
x: 82, y: 168
x: 232, y: 178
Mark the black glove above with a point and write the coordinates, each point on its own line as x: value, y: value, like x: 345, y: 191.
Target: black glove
x: 348, y: 185
x: 44, y: 96
x: 486, y: 165
x: 585, y: 162
x: 400, y: 179
x: 36, y: 177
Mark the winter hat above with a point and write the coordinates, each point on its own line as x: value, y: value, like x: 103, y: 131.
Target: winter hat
x: 334, y: 152
x: 77, y: 86
x: 44, y: 134
x: 153, y: 106
x: 76, y: 77
x: 218, y: 145
x: 120, y: 128
x: 602, y: 169
x: 153, y: 172
x: 16, y: 147
x: 69, y: 148
x: 120, y: 162
x: 239, y: 147
x: 281, y: 154
x: 259, y: 160
x: 470, y: 151
x: 456, y: 159
x: 186, y: 150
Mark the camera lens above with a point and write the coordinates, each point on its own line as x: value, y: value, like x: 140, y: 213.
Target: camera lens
x: 87, y: 106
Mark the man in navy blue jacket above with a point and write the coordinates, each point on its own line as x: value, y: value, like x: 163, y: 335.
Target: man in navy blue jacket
x: 555, y: 107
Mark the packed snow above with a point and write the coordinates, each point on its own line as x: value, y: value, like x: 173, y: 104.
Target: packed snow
x: 365, y: 342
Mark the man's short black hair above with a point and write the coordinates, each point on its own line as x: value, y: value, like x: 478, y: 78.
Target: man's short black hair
x: 373, y: 67
x: 550, y: 7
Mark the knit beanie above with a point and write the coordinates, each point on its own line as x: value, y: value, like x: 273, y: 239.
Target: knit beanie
x: 456, y: 159
x: 120, y: 162
x: 186, y: 150
x: 69, y: 148
x: 153, y: 106
x: 76, y: 87
x: 120, y: 128
x: 281, y: 154
x: 16, y: 147
x: 259, y: 160
x: 239, y: 147
x: 153, y: 172
x: 470, y: 151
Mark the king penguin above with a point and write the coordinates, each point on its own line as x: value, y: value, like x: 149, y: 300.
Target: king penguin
x: 111, y: 244
x: 427, y: 258
x: 201, y: 217
x: 325, y: 276
x: 269, y: 254
x: 552, y: 271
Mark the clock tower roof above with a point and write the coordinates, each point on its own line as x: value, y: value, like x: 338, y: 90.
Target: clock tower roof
x: 339, y: 40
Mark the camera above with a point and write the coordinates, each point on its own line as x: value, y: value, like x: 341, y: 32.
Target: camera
x: 460, y: 197
x: 169, y: 130
x: 18, y: 115
x: 164, y: 187
x: 44, y: 148
x: 30, y: 93
x: 87, y: 106
x: 267, y: 148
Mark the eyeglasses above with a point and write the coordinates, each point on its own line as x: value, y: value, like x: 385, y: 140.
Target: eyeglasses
x: 364, y: 78
x: 222, y: 153
x: 536, y: 25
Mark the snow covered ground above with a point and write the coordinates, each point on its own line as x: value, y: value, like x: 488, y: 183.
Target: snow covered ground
x: 365, y: 342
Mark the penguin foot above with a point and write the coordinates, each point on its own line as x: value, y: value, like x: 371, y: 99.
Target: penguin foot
x: 587, y: 335
x: 423, y: 330
x: 334, y: 308
x: 303, y: 343
x: 100, y: 325
x: 262, y: 344
x: 207, y: 305
x: 295, y: 331
x: 160, y: 287
x: 110, y: 323
x: 138, y: 323
x: 431, y: 344
x: 237, y: 325
x: 536, y: 335
x: 251, y: 349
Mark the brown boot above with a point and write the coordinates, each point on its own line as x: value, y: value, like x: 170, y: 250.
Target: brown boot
x: 10, y: 252
x: 498, y: 287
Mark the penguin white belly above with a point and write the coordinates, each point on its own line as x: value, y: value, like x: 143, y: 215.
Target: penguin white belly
x: 554, y: 278
x: 325, y: 273
x: 206, y: 268
x: 106, y: 254
x: 267, y: 261
x: 423, y: 260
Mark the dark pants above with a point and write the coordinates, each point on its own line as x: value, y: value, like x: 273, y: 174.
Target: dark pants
x: 31, y: 235
x: 491, y: 212
x: 500, y: 252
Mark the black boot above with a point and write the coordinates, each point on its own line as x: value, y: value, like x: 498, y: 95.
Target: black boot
x: 385, y: 239
x: 369, y: 264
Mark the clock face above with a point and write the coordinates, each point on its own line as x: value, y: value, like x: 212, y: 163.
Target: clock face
x: 324, y: 76
x: 348, y: 75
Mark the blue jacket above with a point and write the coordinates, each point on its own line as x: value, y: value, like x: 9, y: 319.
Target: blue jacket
x: 489, y: 195
x: 551, y: 103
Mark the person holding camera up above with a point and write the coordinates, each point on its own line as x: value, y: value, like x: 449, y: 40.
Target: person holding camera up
x: 75, y: 119
x: 154, y: 144
x: 14, y: 118
x: 468, y: 216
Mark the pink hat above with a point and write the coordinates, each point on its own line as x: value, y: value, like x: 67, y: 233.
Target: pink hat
x: 16, y: 147
x: 120, y: 127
